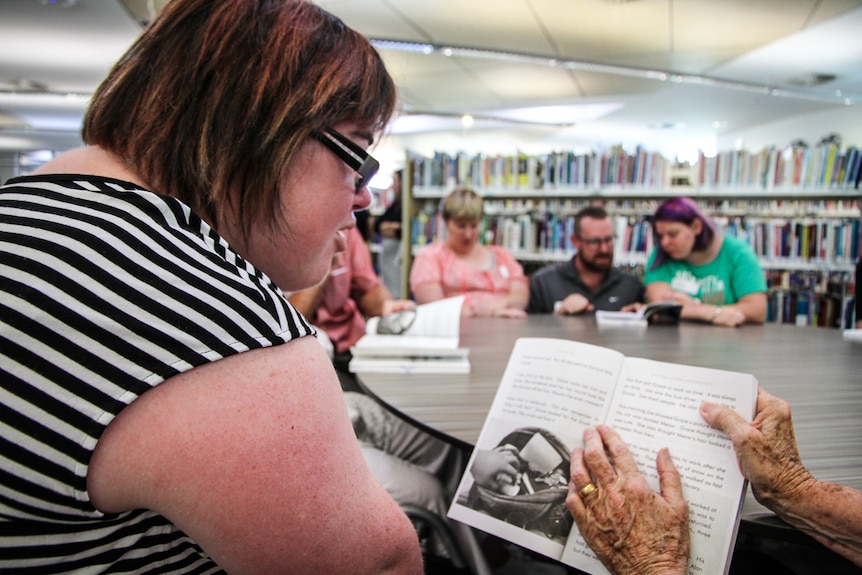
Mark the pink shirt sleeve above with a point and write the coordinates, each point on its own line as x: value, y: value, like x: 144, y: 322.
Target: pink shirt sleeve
x: 363, y: 278
x: 353, y: 275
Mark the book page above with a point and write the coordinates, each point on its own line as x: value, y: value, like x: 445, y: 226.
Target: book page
x: 667, y: 312
x: 400, y: 346
x: 551, y: 391
x: 656, y: 405
x: 409, y: 365
x: 441, y: 318
x: 626, y: 319
x: 434, y: 329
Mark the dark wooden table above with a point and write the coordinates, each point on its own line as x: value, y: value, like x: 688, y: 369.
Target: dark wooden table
x: 815, y: 370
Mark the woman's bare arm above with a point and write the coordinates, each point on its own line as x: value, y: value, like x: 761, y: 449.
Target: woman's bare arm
x: 254, y: 457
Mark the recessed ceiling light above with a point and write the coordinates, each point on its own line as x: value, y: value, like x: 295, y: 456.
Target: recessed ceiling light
x: 665, y: 125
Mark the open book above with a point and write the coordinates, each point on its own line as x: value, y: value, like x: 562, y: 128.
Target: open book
x: 424, y: 341
x: 552, y: 390
x: 656, y: 313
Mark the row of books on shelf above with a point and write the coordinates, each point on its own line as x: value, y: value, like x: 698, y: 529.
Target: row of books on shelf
x: 815, y: 240
x: 847, y: 208
x: 826, y: 166
x: 569, y: 169
x: 838, y: 283
x: 833, y: 307
x: 825, y: 241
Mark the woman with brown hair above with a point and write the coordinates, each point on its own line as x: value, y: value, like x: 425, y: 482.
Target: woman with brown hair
x: 162, y: 406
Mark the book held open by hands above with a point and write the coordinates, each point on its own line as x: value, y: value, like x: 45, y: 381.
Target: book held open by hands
x: 552, y: 389
x: 424, y: 341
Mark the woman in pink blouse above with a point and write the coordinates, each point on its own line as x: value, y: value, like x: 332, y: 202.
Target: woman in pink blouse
x: 493, y: 281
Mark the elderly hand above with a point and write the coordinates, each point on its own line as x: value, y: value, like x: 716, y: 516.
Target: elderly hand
x: 631, y: 528
x: 766, y: 449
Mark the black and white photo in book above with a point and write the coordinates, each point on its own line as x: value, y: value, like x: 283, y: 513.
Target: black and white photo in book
x: 532, y: 498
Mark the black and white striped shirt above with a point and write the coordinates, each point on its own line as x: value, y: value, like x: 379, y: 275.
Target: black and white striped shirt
x: 106, y: 290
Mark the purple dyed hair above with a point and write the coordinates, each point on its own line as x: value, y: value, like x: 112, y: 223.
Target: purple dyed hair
x: 685, y: 211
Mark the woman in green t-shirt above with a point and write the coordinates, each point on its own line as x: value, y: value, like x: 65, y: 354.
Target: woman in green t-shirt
x: 716, y: 278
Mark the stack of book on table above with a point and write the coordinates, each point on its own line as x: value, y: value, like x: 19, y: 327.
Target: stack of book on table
x: 424, y: 340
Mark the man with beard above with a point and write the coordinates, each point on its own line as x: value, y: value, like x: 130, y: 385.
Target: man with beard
x: 589, y: 281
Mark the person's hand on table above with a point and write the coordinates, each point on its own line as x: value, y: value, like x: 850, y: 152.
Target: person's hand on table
x: 573, y: 304
x: 726, y: 315
x: 491, y: 307
x: 510, y: 312
x: 632, y: 529
x: 671, y: 295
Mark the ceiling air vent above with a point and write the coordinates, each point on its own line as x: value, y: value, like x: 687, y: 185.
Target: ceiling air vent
x: 811, y: 80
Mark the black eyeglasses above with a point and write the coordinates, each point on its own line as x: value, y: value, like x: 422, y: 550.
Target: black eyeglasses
x: 596, y: 242
x: 351, y: 154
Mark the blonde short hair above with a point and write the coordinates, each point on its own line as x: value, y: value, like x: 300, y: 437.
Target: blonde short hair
x: 463, y: 204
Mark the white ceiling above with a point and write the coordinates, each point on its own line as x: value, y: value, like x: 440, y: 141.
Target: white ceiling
x: 728, y: 63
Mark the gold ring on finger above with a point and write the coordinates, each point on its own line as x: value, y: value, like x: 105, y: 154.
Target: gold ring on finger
x: 588, y: 489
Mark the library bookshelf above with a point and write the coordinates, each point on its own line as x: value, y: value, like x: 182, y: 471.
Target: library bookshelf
x: 799, y: 211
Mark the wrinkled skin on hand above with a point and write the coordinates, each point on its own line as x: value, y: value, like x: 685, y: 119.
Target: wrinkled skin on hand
x: 768, y: 457
x: 766, y: 449
x: 631, y: 528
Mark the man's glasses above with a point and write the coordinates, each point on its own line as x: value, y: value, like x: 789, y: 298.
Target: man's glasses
x: 596, y: 242
x: 351, y: 154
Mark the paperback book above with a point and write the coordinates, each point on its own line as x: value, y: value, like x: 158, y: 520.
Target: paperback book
x: 552, y: 390
x: 656, y: 313
x: 424, y: 340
